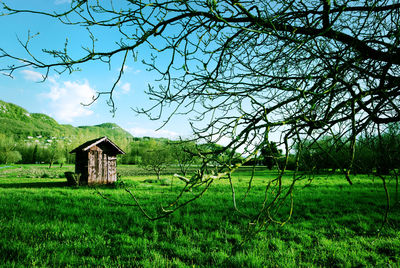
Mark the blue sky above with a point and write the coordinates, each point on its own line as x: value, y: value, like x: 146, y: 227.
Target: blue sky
x: 60, y: 95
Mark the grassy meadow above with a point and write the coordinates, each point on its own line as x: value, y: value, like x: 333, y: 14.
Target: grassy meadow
x: 44, y: 222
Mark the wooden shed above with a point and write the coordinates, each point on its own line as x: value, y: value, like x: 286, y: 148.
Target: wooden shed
x: 96, y: 161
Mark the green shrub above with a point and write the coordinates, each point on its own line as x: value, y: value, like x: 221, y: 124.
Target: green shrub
x: 73, y: 179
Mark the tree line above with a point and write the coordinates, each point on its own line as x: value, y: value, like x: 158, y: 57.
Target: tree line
x: 153, y: 154
x: 374, y: 152
x: 42, y: 149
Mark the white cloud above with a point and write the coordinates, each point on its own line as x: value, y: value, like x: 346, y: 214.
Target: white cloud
x: 32, y: 75
x: 66, y: 99
x: 128, y: 69
x: 126, y: 87
x: 145, y: 132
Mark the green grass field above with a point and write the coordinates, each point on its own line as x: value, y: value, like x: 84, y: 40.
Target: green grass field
x: 43, y: 222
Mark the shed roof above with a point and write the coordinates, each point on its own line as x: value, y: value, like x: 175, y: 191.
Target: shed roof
x: 101, y: 142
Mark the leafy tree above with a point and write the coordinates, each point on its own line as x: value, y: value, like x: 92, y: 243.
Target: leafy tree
x: 8, y: 152
x: 135, y: 151
x: 26, y: 150
x: 61, y: 160
x: 34, y: 154
x: 251, y: 68
x: 53, y: 153
x: 379, y: 151
x: 11, y: 157
x: 326, y: 153
x: 270, y: 153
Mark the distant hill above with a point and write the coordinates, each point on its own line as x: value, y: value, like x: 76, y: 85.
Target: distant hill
x: 17, y: 122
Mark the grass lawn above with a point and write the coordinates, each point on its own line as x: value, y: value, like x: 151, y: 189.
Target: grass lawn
x: 43, y: 222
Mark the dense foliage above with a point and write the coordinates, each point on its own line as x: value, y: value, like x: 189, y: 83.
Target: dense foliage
x: 374, y: 152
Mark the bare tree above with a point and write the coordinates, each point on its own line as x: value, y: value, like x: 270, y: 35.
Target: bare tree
x: 183, y: 153
x: 300, y: 68
x: 156, y: 157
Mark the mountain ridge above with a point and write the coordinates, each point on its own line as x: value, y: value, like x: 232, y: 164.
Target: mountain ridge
x: 21, y: 124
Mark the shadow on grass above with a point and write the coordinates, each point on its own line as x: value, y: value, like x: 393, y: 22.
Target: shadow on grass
x: 35, y: 184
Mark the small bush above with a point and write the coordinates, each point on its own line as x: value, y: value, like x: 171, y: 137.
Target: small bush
x: 150, y: 181
x: 165, y: 182
x: 119, y: 183
x: 73, y: 178
x: 162, y: 182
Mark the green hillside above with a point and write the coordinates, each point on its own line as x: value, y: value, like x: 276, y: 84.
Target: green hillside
x: 37, y: 138
x: 18, y: 123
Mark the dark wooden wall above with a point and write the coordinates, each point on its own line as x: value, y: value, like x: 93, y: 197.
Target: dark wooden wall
x: 81, y: 166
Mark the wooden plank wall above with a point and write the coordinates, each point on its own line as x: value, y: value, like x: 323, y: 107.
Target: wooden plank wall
x: 101, y: 167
